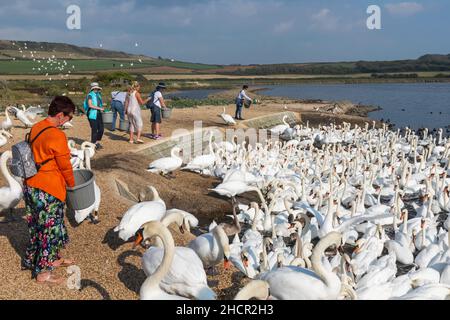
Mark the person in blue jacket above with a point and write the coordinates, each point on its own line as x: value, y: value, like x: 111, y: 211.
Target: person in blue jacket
x: 93, y: 106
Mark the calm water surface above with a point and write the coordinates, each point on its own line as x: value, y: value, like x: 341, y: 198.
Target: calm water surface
x: 416, y: 105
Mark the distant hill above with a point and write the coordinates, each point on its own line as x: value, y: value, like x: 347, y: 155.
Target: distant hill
x: 10, y: 48
x: 30, y: 57
x: 426, y: 63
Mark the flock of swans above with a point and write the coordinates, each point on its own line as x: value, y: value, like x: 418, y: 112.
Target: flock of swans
x: 343, y: 213
x: 26, y: 117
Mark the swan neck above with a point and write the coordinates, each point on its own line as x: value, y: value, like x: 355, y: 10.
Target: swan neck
x: 152, y: 282
x: 316, y: 258
x: 4, y: 169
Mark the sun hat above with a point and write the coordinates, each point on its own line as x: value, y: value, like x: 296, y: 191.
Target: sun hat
x: 95, y: 85
x: 161, y: 85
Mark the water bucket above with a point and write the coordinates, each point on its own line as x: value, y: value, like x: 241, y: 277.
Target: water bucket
x: 81, y: 196
x: 107, y: 117
x: 166, y: 113
x: 124, y: 125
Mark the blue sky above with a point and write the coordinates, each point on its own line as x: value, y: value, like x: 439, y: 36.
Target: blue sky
x: 238, y: 31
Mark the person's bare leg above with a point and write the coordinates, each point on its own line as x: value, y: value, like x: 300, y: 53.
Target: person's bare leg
x: 131, y: 136
x: 139, y: 135
x: 157, y: 129
x: 153, y: 129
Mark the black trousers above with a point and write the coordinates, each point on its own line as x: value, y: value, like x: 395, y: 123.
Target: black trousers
x: 97, y: 129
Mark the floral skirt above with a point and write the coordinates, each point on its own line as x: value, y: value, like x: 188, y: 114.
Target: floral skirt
x: 48, y: 234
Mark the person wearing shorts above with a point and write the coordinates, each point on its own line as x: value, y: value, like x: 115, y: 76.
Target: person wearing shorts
x: 156, y: 105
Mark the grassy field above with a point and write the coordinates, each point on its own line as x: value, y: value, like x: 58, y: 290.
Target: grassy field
x: 25, y: 67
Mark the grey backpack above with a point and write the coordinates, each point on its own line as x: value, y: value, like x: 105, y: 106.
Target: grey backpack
x: 23, y: 164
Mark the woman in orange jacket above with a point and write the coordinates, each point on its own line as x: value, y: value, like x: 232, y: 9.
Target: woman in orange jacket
x: 45, y: 194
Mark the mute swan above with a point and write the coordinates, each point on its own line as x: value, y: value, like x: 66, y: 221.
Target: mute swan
x: 189, y: 217
x: 92, y: 211
x: 3, y: 137
x: 279, y: 129
x: 256, y: 289
x: 7, y: 123
x: 227, y: 118
x: 212, y: 247
x: 139, y: 214
x: 32, y: 112
x: 186, y: 276
x: 203, y: 162
x: 235, y: 228
x: 151, y: 289
x: 12, y: 194
x: 20, y: 114
x: 294, y: 283
x: 167, y: 165
x: 234, y: 188
x: 428, y: 292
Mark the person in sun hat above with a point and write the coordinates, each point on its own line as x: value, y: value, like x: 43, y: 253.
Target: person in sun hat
x: 93, y: 106
x: 156, y: 103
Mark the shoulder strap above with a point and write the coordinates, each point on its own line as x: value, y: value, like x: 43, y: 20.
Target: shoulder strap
x: 37, y: 136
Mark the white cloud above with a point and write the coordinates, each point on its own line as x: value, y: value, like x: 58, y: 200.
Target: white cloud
x: 404, y: 8
x: 324, y: 20
x: 283, y: 27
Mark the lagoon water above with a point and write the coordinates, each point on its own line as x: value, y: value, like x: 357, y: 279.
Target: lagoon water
x: 414, y: 104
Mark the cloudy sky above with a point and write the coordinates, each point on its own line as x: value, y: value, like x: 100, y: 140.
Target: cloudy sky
x: 238, y: 31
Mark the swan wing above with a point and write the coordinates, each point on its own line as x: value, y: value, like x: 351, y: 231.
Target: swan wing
x: 137, y: 216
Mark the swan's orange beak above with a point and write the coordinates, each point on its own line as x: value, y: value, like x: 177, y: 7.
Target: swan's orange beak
x: 226, y: 263
x: 138, y: 240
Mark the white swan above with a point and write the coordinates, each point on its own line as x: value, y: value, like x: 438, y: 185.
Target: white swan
x: 151, y: 289
x: 227, y: 118
x: 4, y: 135
x: 255, y: 289
x: 279, y: 129
x: 139, y: 214
x: 203, y: 162
x: 20, y: 114
x: 32, y: 112
x: 168, y: 164
x: 186, y: 276
x: 212, y: 247
x: 294, y: 283
x: 12, y: 194
x: 92, y: 211
x: 7, y: 123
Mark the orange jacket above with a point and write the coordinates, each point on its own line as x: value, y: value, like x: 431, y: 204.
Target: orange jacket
x: 55, y: 175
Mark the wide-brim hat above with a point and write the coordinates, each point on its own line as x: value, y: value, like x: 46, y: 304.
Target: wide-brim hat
x: 162, y: 85
x: 95, y: 85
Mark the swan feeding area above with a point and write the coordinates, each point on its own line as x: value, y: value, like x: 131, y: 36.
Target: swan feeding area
x: 343, y: 213
x: 326, y: 212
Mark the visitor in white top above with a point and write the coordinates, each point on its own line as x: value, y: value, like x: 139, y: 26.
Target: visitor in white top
x: 240, y: 102
x: 157, y: 102
x: 118, y: 106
